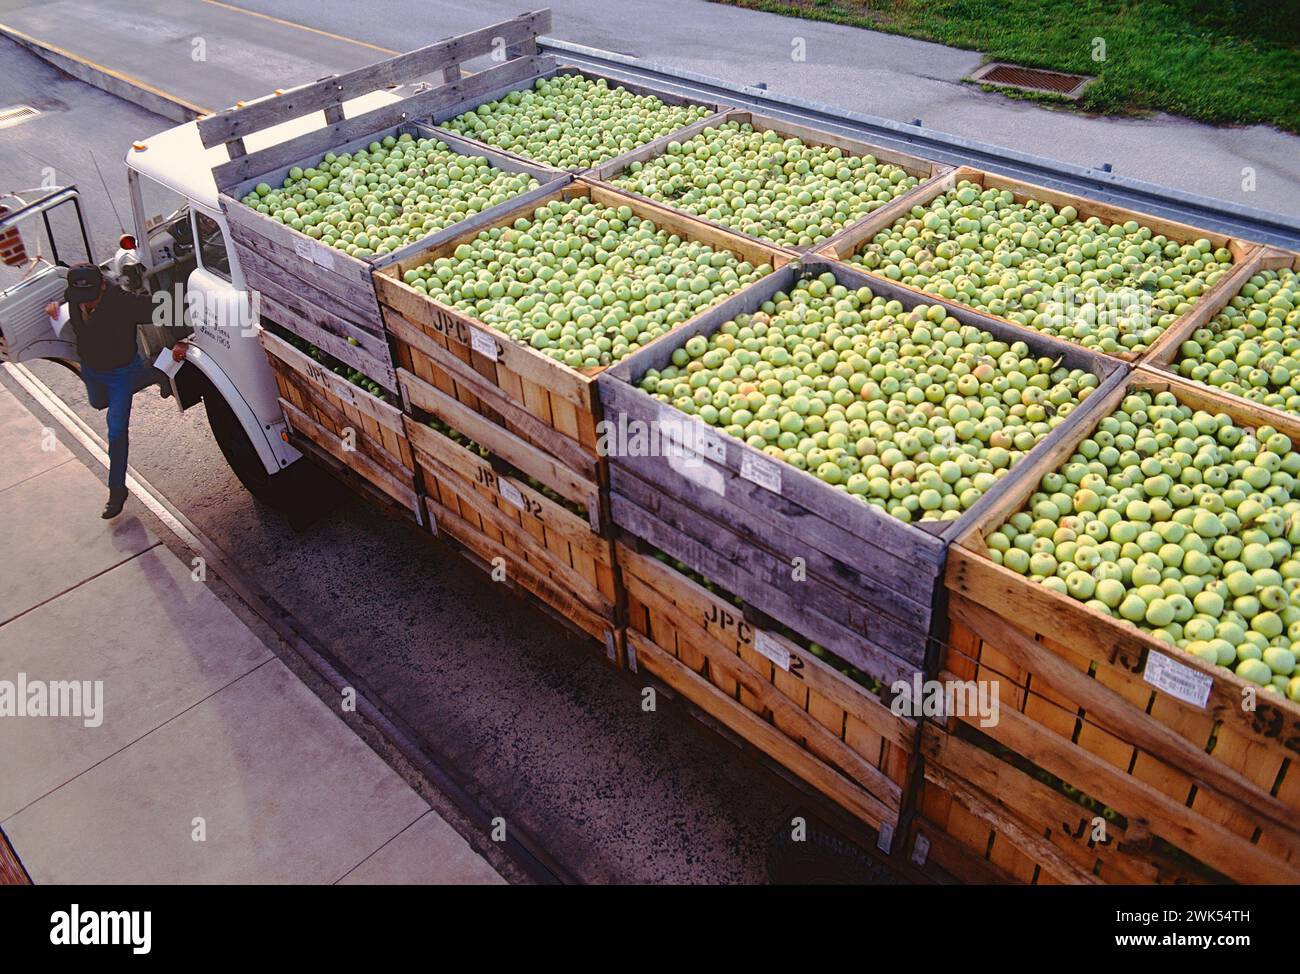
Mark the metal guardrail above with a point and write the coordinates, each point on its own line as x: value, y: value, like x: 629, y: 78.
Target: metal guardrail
x: 1247, y: 223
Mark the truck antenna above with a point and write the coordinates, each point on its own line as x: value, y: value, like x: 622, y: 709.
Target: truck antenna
x: 103, y: 182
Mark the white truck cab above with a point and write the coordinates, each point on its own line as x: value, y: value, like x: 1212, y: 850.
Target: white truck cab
x: 179, y: 252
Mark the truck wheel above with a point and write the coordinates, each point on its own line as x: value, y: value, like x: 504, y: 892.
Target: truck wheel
x: 237, y: 448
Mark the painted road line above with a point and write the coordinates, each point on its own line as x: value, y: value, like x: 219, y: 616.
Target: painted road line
x: 313, y: 30
x: 107, y: 79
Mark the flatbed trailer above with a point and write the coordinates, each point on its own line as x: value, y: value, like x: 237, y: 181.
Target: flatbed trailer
x: 315, y: 411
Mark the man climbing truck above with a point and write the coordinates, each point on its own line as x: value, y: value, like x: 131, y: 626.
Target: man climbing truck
x: 104, y: 319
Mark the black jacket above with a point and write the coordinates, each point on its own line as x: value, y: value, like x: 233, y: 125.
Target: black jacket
x: 106, y: 339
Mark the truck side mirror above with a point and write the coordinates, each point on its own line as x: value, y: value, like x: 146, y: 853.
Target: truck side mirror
x: 12, y: 251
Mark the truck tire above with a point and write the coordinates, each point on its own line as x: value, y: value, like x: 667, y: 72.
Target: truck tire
x: 238, y: 449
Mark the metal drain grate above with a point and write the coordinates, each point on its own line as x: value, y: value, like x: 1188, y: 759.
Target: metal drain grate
x: 1031, y: 79
x: 16, y: 114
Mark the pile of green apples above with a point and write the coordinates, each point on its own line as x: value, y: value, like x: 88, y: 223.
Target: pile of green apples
x: 1252, y: 347
x: 1110, y: 287
x: 572, y: 122
x: 378, y: 199
x: 780, y: 189
x: 583, y: 283
x: 908, y: 410
x: 1181, y: 522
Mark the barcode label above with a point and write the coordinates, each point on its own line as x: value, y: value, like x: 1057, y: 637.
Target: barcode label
x: 1177, y: 679
x: 483, y: 343
x: 766, y: 645
x: 511, y: 493
x: 762, y: 471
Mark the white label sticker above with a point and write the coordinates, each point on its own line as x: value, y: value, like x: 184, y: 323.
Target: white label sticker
x: 324, y: 256
x: 692, y: 466
x: 762, y: 471
x: 303, y: 249
x: 483, y: 343
x: 1177, y: 679
x: 511, y: 493
x: 767, y: 645
x: 344, y: 390
x: 885, y: 842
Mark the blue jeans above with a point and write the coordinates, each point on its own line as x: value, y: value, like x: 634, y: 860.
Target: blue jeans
x: 113, y: 390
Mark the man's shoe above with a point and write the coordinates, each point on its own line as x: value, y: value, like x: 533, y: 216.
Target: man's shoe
x: 116, y: 501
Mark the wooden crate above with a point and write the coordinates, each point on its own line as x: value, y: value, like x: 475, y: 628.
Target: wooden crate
x: 1166, y: 362
x: 359, y: 430
x: 822, y: 726
x: 320, y: 293
x: 1245, y: 254
x: 923, y: 169
x: 1217, y: 783
x: 541, y: 401
x: 830, y: 567
x: 488, y: 506
x: 549, y: 69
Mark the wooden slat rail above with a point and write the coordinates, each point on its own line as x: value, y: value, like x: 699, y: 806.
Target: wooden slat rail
x: 414, y: 108
x: 516, y: 35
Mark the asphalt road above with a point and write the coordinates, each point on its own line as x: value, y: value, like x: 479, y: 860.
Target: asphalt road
x: 894, y: 77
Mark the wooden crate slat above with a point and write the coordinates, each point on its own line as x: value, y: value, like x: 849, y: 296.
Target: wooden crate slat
x: 1130, y: 722
x: 351, y: 301
x: 688, y: 606
x: 386, y: 415
x: 1213, y: 844
x: 444, y: 519
x: 468, y: 467
x: 414, y: 108
x: 522, y: 455
x: 521, y: 541
x: 757, y: 731
x: 643, y: 573
x: 359, y: 462
x: 495, y: 397
x: 239, y: 122
x: 329, y: 333
x: 858, y: 599
x: 887, y: 663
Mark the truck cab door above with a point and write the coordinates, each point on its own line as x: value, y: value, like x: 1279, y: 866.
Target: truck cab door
x: 41, y: 234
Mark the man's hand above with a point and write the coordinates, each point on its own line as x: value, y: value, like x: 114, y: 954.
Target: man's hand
x: 178, y: 352
x: 52, y: 310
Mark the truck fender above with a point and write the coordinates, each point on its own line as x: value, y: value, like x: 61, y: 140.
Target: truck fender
x: 200, y: 375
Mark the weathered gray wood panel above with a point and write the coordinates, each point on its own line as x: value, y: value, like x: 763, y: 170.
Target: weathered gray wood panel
x: 236, y: 123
